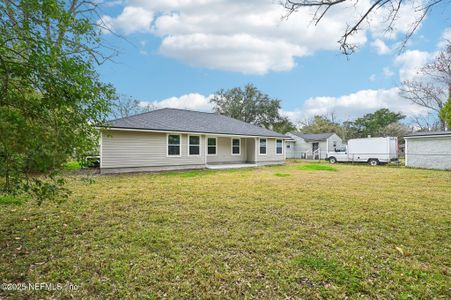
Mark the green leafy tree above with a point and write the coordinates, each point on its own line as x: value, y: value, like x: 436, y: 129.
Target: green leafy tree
x: 50, y: 92
x: 283, y: 125
x: 252, y: 106
x: 375, y: 123
x: 321, y: 124
x: 445, y: 113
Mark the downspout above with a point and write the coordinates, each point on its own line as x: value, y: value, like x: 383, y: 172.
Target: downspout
x: 101, y: 152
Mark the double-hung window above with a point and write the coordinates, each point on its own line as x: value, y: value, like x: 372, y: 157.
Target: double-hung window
x: 236, y: 145
x: 194, y: 145
x: 262, y: 146
x: 174, y: 141
x: 279, y: 147
x: 211, y: 146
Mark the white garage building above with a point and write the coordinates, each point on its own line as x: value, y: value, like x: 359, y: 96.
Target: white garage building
x: 431, y: 150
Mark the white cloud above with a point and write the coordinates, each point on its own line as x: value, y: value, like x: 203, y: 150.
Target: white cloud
x: 372, y: 77
x: 445, y: 39
x: 388, y: 72
x: 244, y: 36
x: 410, y: 63
x: 349, y: 107
x: 380, y: 46
x: 132, y: 19
x: 408, y: 16
x: 228, y: 52
x: 193, y: 101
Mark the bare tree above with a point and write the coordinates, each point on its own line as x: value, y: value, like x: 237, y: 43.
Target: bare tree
x: 391, y: 8
x: 426, y: 123
x: 126, y: 106
x: 432, y: 87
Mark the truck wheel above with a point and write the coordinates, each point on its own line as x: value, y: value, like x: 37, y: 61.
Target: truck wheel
x: 332, y: 160
x: 373, y: 162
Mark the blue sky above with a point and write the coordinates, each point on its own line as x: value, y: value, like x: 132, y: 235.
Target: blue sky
x: 177, y: 53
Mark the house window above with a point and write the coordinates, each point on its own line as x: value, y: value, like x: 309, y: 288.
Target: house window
x: 194, y: 145
x: 236, y: 145
x: 211, y: 146
x: 262, y: 146
x: 279, y: 147
x: 174, y: 145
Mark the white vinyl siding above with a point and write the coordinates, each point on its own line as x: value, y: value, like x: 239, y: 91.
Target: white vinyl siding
x: 130, y: 149
x: 270, y: 155
x: 224, y: 152
x: 429, y: 152
x: 140, y: 149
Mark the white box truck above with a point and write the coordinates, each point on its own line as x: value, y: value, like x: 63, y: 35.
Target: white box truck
x: 374, y: 151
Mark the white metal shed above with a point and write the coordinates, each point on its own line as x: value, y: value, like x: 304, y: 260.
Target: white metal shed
x: 430, y: 150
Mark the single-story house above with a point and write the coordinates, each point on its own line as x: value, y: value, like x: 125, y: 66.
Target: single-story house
x: 311, y: 145
x: 174, y: 139
x: 431, y: 150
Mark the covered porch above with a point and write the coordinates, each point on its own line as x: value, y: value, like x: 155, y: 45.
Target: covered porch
x: 229, y: 151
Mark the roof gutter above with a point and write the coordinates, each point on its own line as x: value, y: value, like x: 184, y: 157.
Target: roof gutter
x: 188, y: 132
x: 427, y: 136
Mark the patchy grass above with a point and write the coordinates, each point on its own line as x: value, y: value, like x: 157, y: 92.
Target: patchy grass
x: 315, y: 167
x: 12, y: 200
x: 281, y: 174
x: 72, y: 165
x: 361, y: 232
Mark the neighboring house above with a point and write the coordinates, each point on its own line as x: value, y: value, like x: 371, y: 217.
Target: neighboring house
x: 173, y: 139
x: 311, y: 145
x: 431, y: 150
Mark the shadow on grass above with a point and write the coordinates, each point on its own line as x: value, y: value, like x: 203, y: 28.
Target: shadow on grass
x: 186, y: 174
x: 315, y: 167
x: 205, y: 172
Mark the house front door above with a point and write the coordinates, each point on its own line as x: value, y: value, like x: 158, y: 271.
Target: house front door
x: 315, y: 153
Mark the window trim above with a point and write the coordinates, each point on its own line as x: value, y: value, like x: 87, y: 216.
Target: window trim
x: 216, y: 145
x: 231, y: 146
x: 281, y: 147
x: 266, y: 146
x: 167, y: 145
x: 189, y: 145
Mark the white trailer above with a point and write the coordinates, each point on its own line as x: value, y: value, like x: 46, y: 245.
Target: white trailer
x: 374, y: 151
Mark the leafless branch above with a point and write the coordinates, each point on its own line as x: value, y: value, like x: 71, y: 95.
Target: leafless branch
x: 392, y: 7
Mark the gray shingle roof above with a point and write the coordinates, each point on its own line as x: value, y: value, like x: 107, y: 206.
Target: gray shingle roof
x: 429, y: 133
x: 182, y: 120
x: 313, y: 136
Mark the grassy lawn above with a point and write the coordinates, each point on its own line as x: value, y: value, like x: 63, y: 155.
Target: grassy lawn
x: 293, y: 231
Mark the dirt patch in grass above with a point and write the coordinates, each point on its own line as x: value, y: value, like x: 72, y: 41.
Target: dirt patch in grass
x: 237, y: 234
